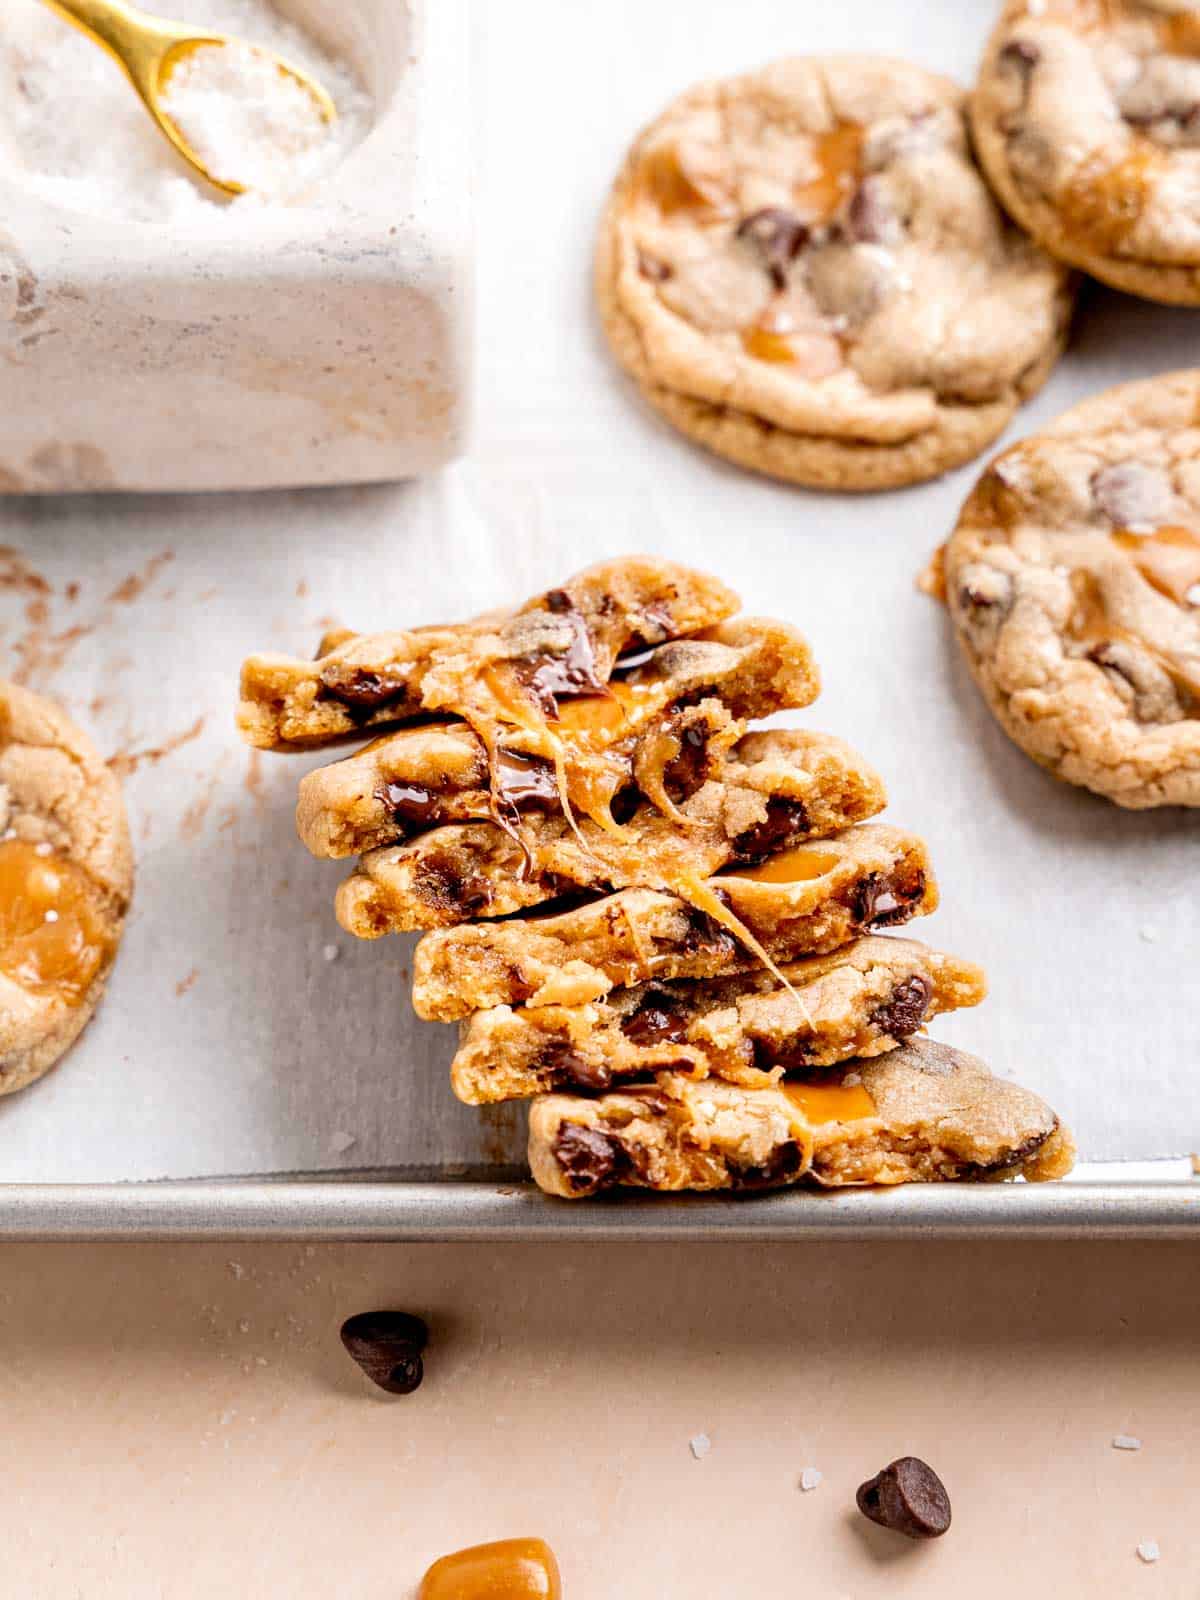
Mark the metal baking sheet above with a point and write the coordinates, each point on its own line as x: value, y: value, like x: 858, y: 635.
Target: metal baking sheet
x: 245, y: 1037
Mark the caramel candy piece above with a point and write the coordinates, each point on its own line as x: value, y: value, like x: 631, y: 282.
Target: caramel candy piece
x: 511, y: 1569
x: 52, y: 942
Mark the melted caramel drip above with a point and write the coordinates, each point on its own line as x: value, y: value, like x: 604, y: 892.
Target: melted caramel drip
x: 698, y: 893
x: 1168, y: 559
x: 800, y: 864
x: 818, y: 1103
x: 60, y: 957
x: 598, y: 719
x: 838, y: 156
x: 512, y: 1569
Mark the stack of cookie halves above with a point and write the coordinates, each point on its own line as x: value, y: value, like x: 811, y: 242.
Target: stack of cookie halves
x: 659, y: 927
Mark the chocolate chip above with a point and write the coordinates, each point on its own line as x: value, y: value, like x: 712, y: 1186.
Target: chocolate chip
x: 567, y: 1066
x: 785, y: 823
x: 573, y: 671
x: 651, y: 267
x: 589, y: 1158
x: 904, y: 1013
x: 1021, y: 54
x: 779, y: 237
x: 881, y: 901
x: 793, y: 1055
x: 362, y: 690
x: 783, y: 1163
x: 657, y: 1020
x: 706, y: 935
x: 445, y: 887
x: 387, y: 1345
x: 524, y: 783
x: 412, y: 803
x: 908, y: 1497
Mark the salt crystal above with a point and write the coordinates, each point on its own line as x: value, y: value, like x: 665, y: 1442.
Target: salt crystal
x: 51, y: 916
x: 43, y: 849
x: 700, y: 1446
x: 244, y: 1326
x: 237, y: 1269
x: 79, y: 138
x: 331, y: 952
x: 339, y: 1143
x: 1149, y: 935
x: 810, y: 1479
x: 1148, y: 1551
x: 1126, y: 1441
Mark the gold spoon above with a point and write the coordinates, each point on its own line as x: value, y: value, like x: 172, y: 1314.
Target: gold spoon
x: 149, y: 49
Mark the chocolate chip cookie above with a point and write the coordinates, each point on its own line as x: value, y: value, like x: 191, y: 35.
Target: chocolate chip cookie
x: 1087, y: 122
x: 793, y: 786
x: 1073, y: 578
x: 66, y: 873
x: 806, y: 900
x: 922, y: 1114
x: 804, y: 272
x: 863, y: 1000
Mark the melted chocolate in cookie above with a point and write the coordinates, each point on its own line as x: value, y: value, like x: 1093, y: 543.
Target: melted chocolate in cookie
x: 657, y: 1020
x: 905, y: 1012
x: 589, y: 1158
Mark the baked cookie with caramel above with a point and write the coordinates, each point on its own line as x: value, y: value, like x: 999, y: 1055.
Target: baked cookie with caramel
x: 1087, y: 122
x: 774, y: 791
x: 1073, y: 578
x: 66, y: 874
x: 807, y: 900
x: 921, y: 1114
x: 804, y: 271
x: 863, y: 1000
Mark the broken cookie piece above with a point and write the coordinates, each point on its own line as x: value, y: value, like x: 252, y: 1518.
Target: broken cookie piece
x: 807, y: 900
x: 798, y: 785
x: 565, y: 642
x: 865, y: 999
x: 922, y: 1114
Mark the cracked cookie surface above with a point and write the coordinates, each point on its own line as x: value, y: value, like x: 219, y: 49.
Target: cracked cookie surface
x: 925, y: 1113
x: 66, y: 874
x: 805, y: 901
x: 1073, y: 578
x: 1087, y: 121
x: 803, y: 271
x: 863, y: 1000
x: 774, y: 790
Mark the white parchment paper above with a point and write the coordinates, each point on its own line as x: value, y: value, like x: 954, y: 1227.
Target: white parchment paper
x: 230, y: 1041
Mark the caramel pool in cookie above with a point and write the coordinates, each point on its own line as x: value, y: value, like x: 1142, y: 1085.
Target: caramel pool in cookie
x: 804, y: 271
x: 1074, y: 581
x: 66, y: 872
x: 1087, y: 121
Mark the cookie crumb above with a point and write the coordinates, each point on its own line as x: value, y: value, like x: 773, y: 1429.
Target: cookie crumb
x: 700, y: 1446
x: 1126, y: 1441
x: 237, y: 1269
x: 244, y: 1325
x: 811, y: 1478
x: 331, y: 952
x: 852, y: 1080
x: 1148, y: 1551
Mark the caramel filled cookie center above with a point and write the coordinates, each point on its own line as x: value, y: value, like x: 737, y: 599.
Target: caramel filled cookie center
x: 838, y: 1102
x: 52, y: 941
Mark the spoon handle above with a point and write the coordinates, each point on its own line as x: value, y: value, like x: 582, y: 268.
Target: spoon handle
x: 133, y: 39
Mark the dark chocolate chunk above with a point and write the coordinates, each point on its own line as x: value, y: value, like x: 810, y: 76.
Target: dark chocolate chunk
x: 880, y: 902
x: 779, y: 237
x: 524, y: 783
x: 1021, y: 54
x: 793, y: 1055
x: 657, y: 1020
x: 568, y: 1066
x: 387, y: 1345
x: 412, y: 803
x: 785, y: 823
x: 651, y: 267
x: 573, y: 671
x: 590, y: 1159
x: 908, y: 1497
x: 783, y: 1163
x: 870, y: 216
x: 904, y: 1013
x: 362, y: 690
x: 687, y: 771
x: 706, y: 934
x: 446, y: 887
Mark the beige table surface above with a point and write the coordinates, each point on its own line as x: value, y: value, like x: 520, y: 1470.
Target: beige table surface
x: 180, y: 1422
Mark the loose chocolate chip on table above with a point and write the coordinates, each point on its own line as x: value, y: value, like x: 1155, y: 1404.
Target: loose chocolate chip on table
x: 908, y: 1497
x: 387, y: 1345
x: 779, y: 237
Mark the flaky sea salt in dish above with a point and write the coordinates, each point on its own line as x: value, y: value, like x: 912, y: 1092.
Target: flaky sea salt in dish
x: 78, y: 137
